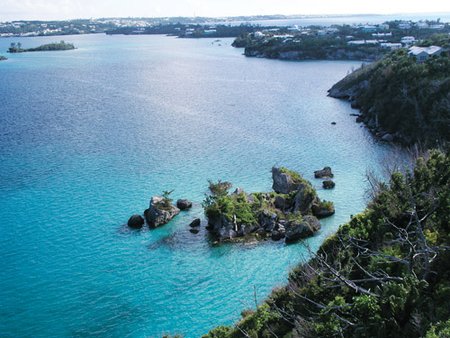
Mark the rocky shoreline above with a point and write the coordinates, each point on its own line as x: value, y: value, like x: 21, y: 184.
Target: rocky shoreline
x: 298, y: 55
x: 369, y: 118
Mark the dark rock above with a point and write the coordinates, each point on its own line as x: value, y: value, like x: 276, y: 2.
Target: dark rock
x: 184, y: 204
x: 226, y: 234
x: 238, y: 191
x: 355, y: 105
x: 195, y: 223
x: 160, y: 212
x: 333, y: 123
x: 247, y: 229
x: 360, y: 119
x: 281, y: 203
x: 283, y: 183
x: 328, y: 184
x: 219, y: 226
x: 267, y: 220
x: 321, y: 212
x: 276, y: 235
x: 136, y: 222
x: 387, y: 137
x: 304, y: 199
x: 194, y: 231
x: 298, y: 230
x: 371, y: 123
x: 325, y: 172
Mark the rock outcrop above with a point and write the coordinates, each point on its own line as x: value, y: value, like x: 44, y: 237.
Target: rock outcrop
x: 283, y: 181
x: 136, y: 222
x: 325, y: 172
x: 328, y: 184
x: 323, y: 210
x: 184, y: 204
x: 290, y: 212
x: 195, y: 223
x: 160, y: 212
x: 307, y: 227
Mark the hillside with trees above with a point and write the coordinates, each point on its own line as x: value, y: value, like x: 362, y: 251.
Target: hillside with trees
x: 384, y: 274
x: 402, y: 98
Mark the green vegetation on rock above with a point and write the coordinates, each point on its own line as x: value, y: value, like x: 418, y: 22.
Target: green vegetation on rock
x: 386, y: 273
x: 289, y: 212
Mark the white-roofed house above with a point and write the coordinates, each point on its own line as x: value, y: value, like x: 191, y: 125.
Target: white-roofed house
x: 423, y: 53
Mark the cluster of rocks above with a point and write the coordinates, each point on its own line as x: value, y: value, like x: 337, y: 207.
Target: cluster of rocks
x: 326, y: 174
x: 161, y: 211
x: 291, y: 212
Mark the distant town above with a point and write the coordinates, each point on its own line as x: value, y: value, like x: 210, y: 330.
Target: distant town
x: 366, y: 42
x: 23, y: 28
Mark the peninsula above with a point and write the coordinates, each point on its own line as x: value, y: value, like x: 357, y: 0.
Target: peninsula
x: 337, y: 42
x: 404, y: 97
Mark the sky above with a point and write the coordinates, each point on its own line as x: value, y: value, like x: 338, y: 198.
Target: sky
x: 72, y: 9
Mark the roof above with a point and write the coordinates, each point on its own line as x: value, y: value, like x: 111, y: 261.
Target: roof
x: 429, y: 50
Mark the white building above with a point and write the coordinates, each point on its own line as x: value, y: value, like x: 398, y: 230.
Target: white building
x: 404, y: 25
x: 390, y: 45
x: 363, y: 42
x: 423, y: 53
x: 381, y: 34
x: 408, y: 40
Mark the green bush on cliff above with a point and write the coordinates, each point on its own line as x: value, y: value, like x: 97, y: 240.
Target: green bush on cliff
x: 327, y: 205
x: 234, y: 206
x: 386, y: 273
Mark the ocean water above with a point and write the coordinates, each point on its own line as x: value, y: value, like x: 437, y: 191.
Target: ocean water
x: 88, y: 136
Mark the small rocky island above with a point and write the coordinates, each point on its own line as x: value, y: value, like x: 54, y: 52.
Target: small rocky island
x: 292, y: 211
x: 160, y: 212
x: 17, y: 47
x: 3, y: 58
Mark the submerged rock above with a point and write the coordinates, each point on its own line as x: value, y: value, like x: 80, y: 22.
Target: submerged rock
x: 136, y: 222
x: 325, y: 172
x: 195, y: 223
x: 328, y: 184
x: 160, y: 212
x: 184, y: 204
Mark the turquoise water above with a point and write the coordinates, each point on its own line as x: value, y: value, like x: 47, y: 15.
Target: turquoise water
x: 88, y: 136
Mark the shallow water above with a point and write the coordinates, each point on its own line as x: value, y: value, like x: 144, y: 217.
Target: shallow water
x: 88, y: 136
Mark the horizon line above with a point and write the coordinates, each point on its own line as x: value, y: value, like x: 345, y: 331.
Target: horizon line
x: 236, y: 16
